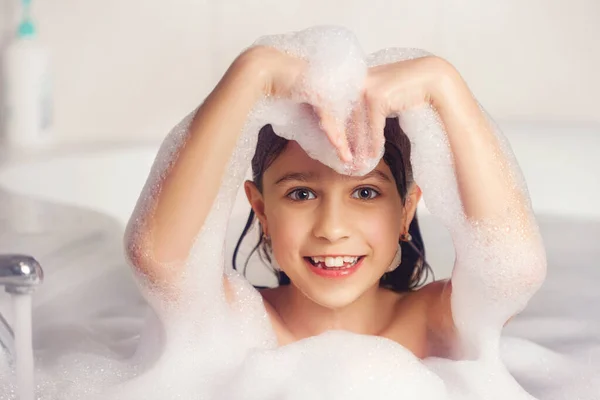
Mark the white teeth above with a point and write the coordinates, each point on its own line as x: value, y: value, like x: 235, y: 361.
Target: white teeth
x: 334, y: 261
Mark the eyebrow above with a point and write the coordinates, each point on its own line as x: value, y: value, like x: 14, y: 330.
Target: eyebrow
x: 312, y: 176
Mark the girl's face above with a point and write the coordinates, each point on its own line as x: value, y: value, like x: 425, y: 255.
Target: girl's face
x: 311, y: 212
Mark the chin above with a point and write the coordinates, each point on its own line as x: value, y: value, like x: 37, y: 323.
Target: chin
x: 334, y: 298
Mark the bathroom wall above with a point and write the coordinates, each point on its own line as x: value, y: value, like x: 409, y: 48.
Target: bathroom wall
x: 131, y: 69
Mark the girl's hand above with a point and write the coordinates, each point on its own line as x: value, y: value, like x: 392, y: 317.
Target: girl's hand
x: 389, y: 90
x: 393, y: 88
x: 277, y: 72
x: 281, y: 74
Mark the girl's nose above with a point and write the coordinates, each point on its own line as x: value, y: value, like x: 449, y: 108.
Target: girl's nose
x: 332, y: 222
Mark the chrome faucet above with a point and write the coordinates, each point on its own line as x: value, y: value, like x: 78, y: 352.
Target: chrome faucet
x: 19, y: 274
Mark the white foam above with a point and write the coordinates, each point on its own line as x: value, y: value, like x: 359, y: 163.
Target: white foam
x: 333, y: 81
x: 201, y: 347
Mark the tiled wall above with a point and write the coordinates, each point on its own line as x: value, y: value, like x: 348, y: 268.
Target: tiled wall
x: 131, y: 69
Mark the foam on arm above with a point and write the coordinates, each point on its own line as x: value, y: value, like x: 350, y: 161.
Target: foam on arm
x: 471, y: 180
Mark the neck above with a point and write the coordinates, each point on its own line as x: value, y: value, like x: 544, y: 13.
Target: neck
x: 305, y: 318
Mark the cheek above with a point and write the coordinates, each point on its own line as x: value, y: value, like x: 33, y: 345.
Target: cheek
x: 380, y: 228
x: 287, y: 226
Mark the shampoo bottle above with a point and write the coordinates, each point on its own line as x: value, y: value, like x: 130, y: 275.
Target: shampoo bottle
x: 27, y: 102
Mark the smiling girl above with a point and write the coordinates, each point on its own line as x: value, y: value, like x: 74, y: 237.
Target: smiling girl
x: 347, y: 249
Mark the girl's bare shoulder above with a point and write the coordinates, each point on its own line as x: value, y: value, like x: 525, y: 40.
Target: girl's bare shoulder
x: 435, y: 297
x: 270, y: 297
x: 423, y: 320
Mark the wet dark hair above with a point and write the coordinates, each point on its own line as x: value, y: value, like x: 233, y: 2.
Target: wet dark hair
x: 413, y: 271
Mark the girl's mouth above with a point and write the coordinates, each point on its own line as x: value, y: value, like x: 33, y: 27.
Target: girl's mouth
x: 334, y: 267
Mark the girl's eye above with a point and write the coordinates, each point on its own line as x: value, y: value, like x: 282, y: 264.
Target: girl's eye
x: 301, y: 195
x: 365, y: 193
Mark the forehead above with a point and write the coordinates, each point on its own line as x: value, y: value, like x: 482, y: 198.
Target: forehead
x: 294, y: 159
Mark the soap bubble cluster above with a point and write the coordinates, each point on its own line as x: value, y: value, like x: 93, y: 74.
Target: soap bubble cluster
x: 333, y: 81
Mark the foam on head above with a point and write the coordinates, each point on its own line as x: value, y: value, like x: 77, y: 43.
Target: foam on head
x: 201, y: 347
x: 333, y: 81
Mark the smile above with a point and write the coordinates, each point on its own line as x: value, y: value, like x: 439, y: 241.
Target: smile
x: 334, y: 266
x: 334, y: 262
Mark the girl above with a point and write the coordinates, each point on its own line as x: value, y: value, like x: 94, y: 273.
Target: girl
x: 335, y: 238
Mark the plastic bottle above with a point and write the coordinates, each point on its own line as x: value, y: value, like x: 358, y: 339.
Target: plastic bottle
x: 27, y: 102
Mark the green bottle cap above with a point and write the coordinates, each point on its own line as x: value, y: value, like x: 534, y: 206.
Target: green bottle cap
x: 26, y: 29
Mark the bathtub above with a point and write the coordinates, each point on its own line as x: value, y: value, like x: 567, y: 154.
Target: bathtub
x: 68, y: 207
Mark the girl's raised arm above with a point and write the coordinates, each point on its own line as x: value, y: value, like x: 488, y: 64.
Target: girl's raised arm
x: 501, y: 260
x: 162, y: 231
x: 471, y: 181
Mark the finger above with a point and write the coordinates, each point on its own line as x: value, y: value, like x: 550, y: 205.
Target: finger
x: 358, y: 133
x: 377, y: 125
x: 336, y: 136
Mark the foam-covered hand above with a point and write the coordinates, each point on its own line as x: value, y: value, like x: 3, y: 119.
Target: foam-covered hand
x: 284, y: 77
x: 280, y: 71
x: 396, y: 87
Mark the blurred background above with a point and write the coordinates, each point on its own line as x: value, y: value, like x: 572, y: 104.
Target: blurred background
x: 132, y: 69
